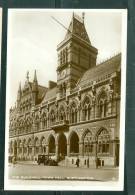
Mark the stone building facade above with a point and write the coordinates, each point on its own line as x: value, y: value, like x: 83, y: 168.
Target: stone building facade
x: 77, y: 116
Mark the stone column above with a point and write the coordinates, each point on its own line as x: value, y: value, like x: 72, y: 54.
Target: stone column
x: 41, y: 124
x: 22, y: 152
x: 27, y: 152
x: 34, y: 127
x: 82, y: 117
x: 114, y: 152
x: 81, y: 151
x: 33, y: 151
x: 96, y: 151
x: 110, y: 108
x: 68, y: 150
x: 96, y: 111
x: 111, y: 148
x: 17, y: 151
x: 40, y: 149
x: 114, y: 106
x: 57, y: 151
x: 47, y: 149
x: 78, y: 114
x: 93, y: 111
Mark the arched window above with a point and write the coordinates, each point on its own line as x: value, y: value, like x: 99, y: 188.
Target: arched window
x: 37, y: 144
x: 88, y: 143
x: 28, y: 125
x: 103, y: 105
x: 73, y: 113
x: 86, y: 109
x: 37, y: 123
x: 19, y: 147
x: 24, y: 146
x: 103, y: 141
x: 29, y: 147
x: 62, y: 115
x: 11, y: 148
x: 44, y: 121
x: 43, y: 145
x: 52, y: 117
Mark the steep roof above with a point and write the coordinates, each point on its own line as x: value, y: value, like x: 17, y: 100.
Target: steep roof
x: 101, y: 70
x: 77, y: 28
x: 50, y: 94
x: 41, y: 92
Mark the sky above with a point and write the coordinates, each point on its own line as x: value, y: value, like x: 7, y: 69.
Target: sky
x: 33, y: 37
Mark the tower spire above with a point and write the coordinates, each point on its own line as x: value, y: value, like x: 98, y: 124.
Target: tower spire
x: 35, y: 82
x: 83, y: 16
x: 27, y: 76
x: 35, y: 76
x: 19, y: 87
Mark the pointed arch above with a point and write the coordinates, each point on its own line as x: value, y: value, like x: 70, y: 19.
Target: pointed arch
x: 62, y: 145
x: 29, y: 142
x: 62, y: 112
x: 86, y: 107
x: 43, y: 144
x: 73, y: 141
x: 52, y: 116
x: 15, y: 147
x: 36, y: 144
x: 37, y: 122
x: 73, y: 109
x: 51, y: 144
x: 87, y: 140
x: 44, y: 119
x: 103, y: 141
x: 102, y: 103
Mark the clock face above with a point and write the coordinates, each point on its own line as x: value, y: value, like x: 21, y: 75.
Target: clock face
x: 63, y: 74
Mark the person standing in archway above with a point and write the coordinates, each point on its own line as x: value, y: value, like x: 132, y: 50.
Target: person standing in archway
x: 77, y: 162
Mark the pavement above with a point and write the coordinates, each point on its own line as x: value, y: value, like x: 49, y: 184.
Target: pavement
x: 32, y: 171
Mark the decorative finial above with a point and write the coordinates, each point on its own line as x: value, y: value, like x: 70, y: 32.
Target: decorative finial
x: 35, y: 76
x: 83, y: 16
x: 27, y: 75
x: 73, y: 14
x: 20, y: 86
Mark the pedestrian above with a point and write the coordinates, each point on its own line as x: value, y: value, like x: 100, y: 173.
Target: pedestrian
x: 88, y: 162
x: 77, y: 162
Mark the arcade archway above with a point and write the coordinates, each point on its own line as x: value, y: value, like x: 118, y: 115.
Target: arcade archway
x: 52, y: 145
x: 74, y: 143
x: 62, y: 145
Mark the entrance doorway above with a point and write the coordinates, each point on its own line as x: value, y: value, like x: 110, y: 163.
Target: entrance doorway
x: 74, y: 143
x: 62, y: 145
x: 52, y: 145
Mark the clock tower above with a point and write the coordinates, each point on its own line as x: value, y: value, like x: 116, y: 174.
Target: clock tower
x: 75, y: 56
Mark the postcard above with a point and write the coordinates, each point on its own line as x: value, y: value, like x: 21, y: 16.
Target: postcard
x: 65, y: 99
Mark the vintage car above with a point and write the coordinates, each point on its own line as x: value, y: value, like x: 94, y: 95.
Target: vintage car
x: 46, y: 160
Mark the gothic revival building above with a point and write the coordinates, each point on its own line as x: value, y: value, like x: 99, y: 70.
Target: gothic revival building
x: 79, y: 115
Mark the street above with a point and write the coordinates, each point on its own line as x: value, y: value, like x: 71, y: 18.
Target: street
x: 37, y: 172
